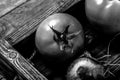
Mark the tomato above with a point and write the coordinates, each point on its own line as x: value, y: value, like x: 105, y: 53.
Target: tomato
x: 60, y: 35
x: 106, y: 13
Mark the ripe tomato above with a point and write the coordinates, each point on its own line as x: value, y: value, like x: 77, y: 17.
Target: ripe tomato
x: 60, y: 35
x: 105, y: 13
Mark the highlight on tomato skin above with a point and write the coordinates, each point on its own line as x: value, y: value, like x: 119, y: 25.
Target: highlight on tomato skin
x: 104, y: 13
x: 59, y: 36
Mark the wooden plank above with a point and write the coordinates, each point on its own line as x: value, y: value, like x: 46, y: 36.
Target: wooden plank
x: 19, y: 63
x: 8, y: 5
x: 23, y: 20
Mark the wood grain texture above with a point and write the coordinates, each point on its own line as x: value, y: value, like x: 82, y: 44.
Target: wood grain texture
x: 8, y: 5
x: 19, y: 63
x: 24, y: 19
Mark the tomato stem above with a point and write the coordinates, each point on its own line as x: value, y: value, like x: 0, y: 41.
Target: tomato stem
x: 64, y: 39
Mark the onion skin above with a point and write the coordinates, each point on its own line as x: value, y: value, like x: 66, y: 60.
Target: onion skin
x: 85, y: 69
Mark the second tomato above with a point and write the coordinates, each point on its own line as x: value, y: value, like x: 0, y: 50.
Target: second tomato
x: 106, y: 13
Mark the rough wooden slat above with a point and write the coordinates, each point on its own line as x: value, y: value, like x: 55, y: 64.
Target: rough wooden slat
x: 19, y: 63
x: 24, y: 19
x: 8, y: 5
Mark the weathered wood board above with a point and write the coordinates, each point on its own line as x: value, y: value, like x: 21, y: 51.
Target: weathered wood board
x: 23, y: 20
x: 8, y: 5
